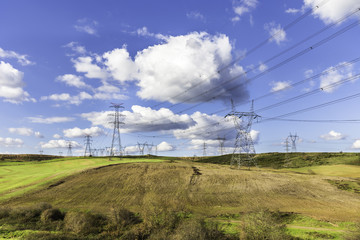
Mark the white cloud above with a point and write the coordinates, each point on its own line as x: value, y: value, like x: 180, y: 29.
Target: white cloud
x: 242, y: 7
x: 131, y: 149
x: 165, y: 147
x: 77, y: 132
x: 145, y: 33
x: 255, y: 136
x: 356, y: 144
x: 11, y: 84
x: 333, y: 77
x: 195, y: 15
x: 59, y: 144
x: 87, y: 26
x: 73, y: 80
x: 276, y: 32
x: 279, y: 86
x: 292, y: 10
x: 50, y: 120
x: 142, y: 119
x: 76, y: 48
x: 22, y: 59
x: 331, y: 11
x: 38, y: 135
x: 120, y: 65
x: 91, y: 70
x: 262, y: 67
x: 22, y: 131
x: 11, y: 142
x: 57, y: 136
x: 190, y: 59
x: 332, y: 135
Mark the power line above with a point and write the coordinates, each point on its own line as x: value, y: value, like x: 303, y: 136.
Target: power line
x: 252, y: 50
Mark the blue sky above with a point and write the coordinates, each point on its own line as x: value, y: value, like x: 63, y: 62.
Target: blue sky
x: 175, y: 66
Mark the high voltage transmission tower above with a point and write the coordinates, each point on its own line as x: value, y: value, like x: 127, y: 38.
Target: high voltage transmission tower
x: 141, y: 147
x: 149, y: 148
x: 221, y: 145
x: 293, y: 139
x: 204, y: 149
x: 116, y: 140
x: 87, y: 146
x: 69, y: 147
x: 244, y: 151
x: 287, y: 149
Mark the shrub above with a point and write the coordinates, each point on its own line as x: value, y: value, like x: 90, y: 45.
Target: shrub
x: 123, y: 217
x: 263, y: 225
x: 84, y: 223
x: 354, y: 234
x: 52, y: 214
x: 4, y: 212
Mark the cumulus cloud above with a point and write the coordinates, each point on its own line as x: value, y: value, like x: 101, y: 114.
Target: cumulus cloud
x: 332, y: 135
x: 333, y: 77
x: 87, y: 26
x: 38, y: 135
x: 57, y: 136
x: 332, y: 10
x: 262, y: 67
x: 190, y: 59
x: 11, y: 142
x: 21, y: 58
x: 356, y: 144
x: 22, y: 131
x: 279, y: 86
x: 50, y: 120
x: 195, y: 15
x: 276, y: 32
x: 91, y: 70
x: 142, y: 119
x: 292, y: 10
x: 243, y: 6
x: 255, y: 136
x: 77, y: 132
x: 165, y: 147
x: 72, y: 80
x: 59, y: 144
x: 11, y: 84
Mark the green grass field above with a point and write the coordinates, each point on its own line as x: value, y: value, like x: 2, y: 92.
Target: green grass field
x: 317, y: 200
x: 19, y: 177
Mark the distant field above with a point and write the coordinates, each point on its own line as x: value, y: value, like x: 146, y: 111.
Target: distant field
x: 341, y: 170
x: 19, y: 177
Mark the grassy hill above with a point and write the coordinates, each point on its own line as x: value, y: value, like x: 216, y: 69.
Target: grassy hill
x: 320, y: 195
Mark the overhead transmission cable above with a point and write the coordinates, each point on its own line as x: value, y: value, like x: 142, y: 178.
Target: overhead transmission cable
x: 252, y: 50
x: 293, y: 57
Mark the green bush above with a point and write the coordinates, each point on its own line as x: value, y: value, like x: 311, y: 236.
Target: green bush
x: 84, y: 223
x: 4, y: 212
x: 263, y: 225
x: 354, y: 234
x: 50, y: 215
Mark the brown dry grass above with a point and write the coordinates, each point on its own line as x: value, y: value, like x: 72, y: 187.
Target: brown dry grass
x: 144, y: 187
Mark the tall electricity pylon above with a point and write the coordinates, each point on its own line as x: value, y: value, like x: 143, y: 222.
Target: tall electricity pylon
x: 116, y: 133
x: 221, y: 145
x: 141, y: 147
x: 87, y: 146
x: 204, y: 149
x: 293, y: 139
x: 244, y: 150
x: 69, y: 152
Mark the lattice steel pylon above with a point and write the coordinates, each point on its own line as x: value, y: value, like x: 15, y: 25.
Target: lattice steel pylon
x: 116, y: 140
x: 69, y: 151
x: 88, y: 146
x: 293, y: 139
x: 141, y: 147
x: 244, y: 150
x: 221, y: 145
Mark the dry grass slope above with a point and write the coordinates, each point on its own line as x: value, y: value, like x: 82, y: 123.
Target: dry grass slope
x: 219, y: 190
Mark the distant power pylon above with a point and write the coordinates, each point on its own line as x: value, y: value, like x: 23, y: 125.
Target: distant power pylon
x: 293, y: 139
x: 141, y: 147
x: 149, y: 148
x: 244, y: 150
x: 41, y: 152
x: 60, y: 154
x: 221, y: 145
x: 287, y: 149
x: 116, y: 140
x: 204, y: 149
x: 88, y: 146
x: 69, y: 152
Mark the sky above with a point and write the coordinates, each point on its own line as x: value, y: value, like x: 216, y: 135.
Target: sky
x: 176, y: 66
